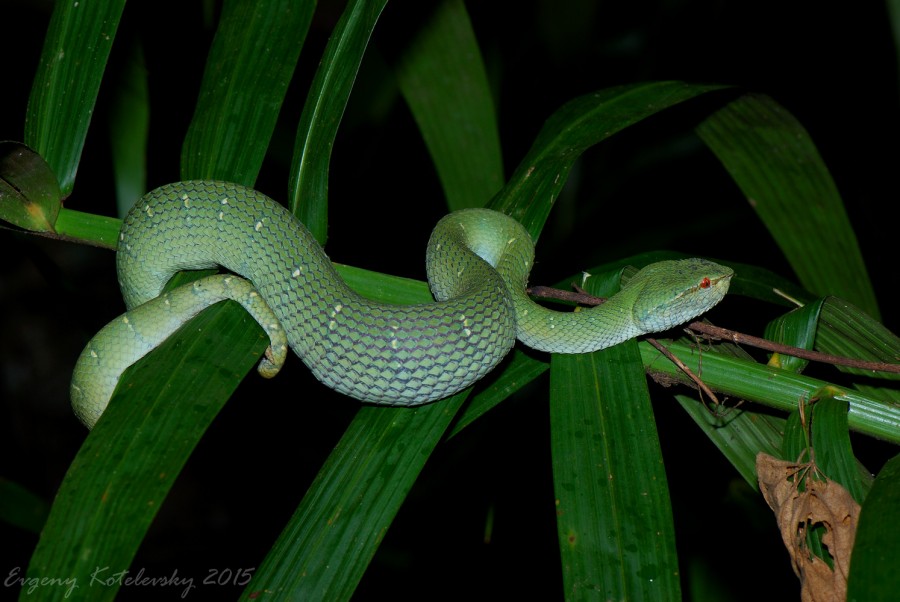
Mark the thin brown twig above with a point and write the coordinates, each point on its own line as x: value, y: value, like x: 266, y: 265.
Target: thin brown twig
x: 716, y: 332
x: 688, y: 372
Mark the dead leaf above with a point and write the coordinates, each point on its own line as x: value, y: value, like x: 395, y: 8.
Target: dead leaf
x: 821, y: 502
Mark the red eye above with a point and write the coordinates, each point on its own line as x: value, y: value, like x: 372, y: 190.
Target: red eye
x: 705, y: 283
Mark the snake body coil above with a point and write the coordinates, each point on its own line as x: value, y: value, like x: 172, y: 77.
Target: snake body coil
x: 477, y: 260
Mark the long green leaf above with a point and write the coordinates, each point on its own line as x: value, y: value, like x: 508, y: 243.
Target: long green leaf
x: 772, y: 387
x: 329, y: 541
x: 846, y: 330
x: 328, y: 95
x: 247, y: 74
x: 129, y: 131
x: 126, y: 466
x: 613, y: 513
x: 772, y: 158
x: 873, y: 570
x: 739, y: 433
x: 65, y: 87
x: 575, y: 127
x: 832, y: 447
x: 614, y: 517
x: 443, y: 80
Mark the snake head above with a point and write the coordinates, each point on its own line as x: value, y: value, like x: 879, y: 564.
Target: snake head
x: 669, y: 293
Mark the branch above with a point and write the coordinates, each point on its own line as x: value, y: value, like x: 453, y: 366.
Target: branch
x: 716, y: 332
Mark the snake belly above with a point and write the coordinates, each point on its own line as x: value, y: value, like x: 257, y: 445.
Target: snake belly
x: 477, y: 261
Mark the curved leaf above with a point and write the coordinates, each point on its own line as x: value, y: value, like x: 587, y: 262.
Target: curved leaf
x: 772, y: 387
x: 772, y: 158
x: 129, y: 131
x: 247, y: 74
x: 445, y: 85
x: 65, y: 87
x: 328, y: 543
x: 796, y: 328
x: 325, y: 103
x: 576, y: 126
x: 126, y: 466
x: 873, y: 570
x: 614, y: 517
x: 29, y: 193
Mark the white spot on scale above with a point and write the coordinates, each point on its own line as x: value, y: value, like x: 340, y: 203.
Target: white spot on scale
x: 221, y: 215
x: 94, y: 354
x: 225, y: 201
x: 468, y: 332
x: 338, y: 307
x: 258, y: 226
x: 332, y: 325
x: 510, y: 241
x: 394, y: 344
x: 296, y: 272
x: 254, y: 294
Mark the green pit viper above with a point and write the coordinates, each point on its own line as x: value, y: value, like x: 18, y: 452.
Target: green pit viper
x: 477, y: 261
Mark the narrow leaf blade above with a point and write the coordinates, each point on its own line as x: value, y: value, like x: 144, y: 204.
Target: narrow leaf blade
x: 575, y: 127
x: 873, y: 570
x: 247, y: 74
x: 614, y: 516
x: 325, y: 104
x: 126, y: 466
x: 771, y: 157
x: 65, y: 87
x: 443, y: 79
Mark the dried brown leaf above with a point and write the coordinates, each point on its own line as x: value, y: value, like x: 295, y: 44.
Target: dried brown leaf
x: 821, y: 502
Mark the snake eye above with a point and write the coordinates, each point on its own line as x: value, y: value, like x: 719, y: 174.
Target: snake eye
x: 705, y: 283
